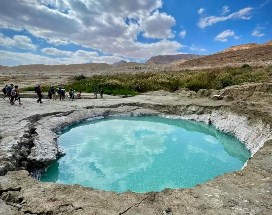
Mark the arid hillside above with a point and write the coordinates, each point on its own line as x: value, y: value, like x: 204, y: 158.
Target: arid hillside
x: 28, y: 75
x: 247, y: 46
x: 166, y: 59
x: 252, y: 54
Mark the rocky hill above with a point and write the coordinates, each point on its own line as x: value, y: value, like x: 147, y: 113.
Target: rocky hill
x: 166, y: 59
x: 268, y: 43
x: 253, y: 54
x: 247, y: 46
x: 66, y: 68
x: 241, y: 47
x: 120, y: 63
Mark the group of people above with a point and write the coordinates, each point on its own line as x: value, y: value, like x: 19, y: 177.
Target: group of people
x: 52, y: 93
x: 60, y: 91
x: 12, y: 92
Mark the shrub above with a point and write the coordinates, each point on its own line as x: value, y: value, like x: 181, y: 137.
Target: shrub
x: 132, y: 84
x: 225, y: 80
x: 80, y: 77
x: 246, y: 66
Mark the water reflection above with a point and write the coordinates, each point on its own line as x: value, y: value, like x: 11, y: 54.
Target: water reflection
x: 231, y: 145
x: 144, y: 154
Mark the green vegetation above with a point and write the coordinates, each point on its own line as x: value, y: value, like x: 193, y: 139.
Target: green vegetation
x: 132, y: 84
x: 80, y: 77
x: 32, y: 88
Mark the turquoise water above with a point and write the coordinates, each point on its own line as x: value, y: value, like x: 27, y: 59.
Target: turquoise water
x: 144, y: 154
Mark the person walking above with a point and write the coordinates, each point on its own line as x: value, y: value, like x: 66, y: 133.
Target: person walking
x: 101, y: 92
x: 12, y: 95
x: 51, y: 92
x: 95, y: 92
x: 17, y: 95
x: 71, y: 94
x: 39, y: 93
x: 8, y: 91
x: 61, y: 92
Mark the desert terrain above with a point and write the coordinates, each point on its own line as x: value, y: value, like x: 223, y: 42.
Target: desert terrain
x: 29, y: 75
x: 28, y: 138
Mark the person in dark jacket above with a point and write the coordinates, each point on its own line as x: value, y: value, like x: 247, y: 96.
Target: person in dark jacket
x: 38, y: 90
x: 51, y: 92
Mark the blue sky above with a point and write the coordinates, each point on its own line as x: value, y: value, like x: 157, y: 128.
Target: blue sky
x: 97, y: 31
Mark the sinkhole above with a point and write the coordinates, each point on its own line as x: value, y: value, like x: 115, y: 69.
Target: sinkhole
x: 143, y: 154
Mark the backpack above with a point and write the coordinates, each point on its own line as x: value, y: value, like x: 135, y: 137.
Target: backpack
x: 13, y: 92
x: 4, y: 90
x: 9, y: 88
x: 62, y: 92
x: 36, y: 89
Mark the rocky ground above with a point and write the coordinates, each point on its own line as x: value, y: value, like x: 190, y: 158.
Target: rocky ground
x: 28, y: 141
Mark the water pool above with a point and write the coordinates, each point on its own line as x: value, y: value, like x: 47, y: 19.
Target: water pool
x: 144, y: 154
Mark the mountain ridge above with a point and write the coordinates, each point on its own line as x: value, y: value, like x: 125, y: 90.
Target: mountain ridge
x: 257, y: 54
x: 166, y: 59
x: 246, y: 46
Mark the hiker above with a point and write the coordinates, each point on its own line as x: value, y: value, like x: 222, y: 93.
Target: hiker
x: 95, y: 93
x: 4, y: 90
x: 59, y: 93
x: 51, y: 92
x: 17, y: 95
x: 9, y: 88
x: 62, y: 93
x: 12, y: 95
x: 101, y: 93
x: 38, y: 90
x: 71, y: 94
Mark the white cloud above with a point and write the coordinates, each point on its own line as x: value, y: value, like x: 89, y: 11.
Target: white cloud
x: 265, y: 3
x: 145, y: 50
x: 223, y: 37
x: 158, y: 25
x: 211, y: 20
x: 196, y: 48
x: 225, y: 9
x: 84, y: 54
x: 257, y: 32
x: 201, y: 11
x: 58, y: 42
x: 18, y: 41
x: 182, y: 34
x: 56, y: 52
x: 110, y: 27
x: 56, y: 56
x: 13, y: 58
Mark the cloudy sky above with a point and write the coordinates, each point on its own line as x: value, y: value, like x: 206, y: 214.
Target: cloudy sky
x: 96, y: 31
